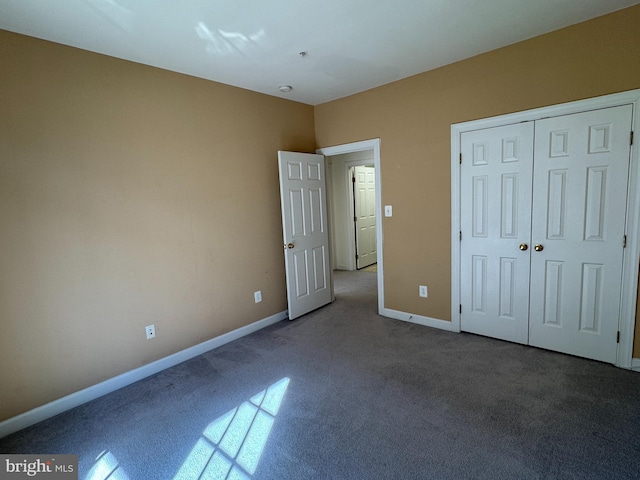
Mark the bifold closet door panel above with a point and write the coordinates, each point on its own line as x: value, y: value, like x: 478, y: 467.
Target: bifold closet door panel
x: 496, y: 176
x: 581, y: 165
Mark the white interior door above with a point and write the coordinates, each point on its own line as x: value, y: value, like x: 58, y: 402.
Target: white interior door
x: 543, y: 229
x: 579, y: 202
x: 495, y: 186
x: 304, y: 224
x: 364, y: 193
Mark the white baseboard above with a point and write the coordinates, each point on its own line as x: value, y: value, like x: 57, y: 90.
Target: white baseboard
x: 63, y: 404
x: 635, y: 364
x: 419, y: 319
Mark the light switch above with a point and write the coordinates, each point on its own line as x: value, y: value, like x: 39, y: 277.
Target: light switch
x: 388, y: 211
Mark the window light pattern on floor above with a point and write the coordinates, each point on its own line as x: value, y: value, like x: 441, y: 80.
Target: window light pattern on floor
x: 106, y: 466
x: 232, y: 445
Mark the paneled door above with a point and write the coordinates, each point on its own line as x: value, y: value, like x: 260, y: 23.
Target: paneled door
x: 543, y: 231
x: 304, y: 224
x: 496, y: 227
x: 364, y: 193
x: 579, y: 205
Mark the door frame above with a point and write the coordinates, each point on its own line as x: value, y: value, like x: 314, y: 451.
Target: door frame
x: 630, y: 267
x: 373, y: 144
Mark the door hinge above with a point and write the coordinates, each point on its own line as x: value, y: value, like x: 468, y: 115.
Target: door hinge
x: 460, y: 235
x: 357, y: 257
x: 355, y: 219
x: 631, y: 138
x: 353, y: 179
x: 624, y: 242
x: 460, y: 308
x: 618, y: 337
x: 460, y: 159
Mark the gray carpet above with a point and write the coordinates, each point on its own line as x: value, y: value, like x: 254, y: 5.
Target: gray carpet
x: 369, y: 398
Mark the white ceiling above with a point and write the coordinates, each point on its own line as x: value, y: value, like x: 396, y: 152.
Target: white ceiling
x: 352, y: 45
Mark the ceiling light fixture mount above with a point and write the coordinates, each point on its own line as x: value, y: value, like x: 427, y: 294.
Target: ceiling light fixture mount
x: 304, y: 54
x: 285, y: 88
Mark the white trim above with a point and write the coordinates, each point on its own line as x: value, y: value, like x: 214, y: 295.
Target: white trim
x: 419, y: 319
x: 360, y: 163
x: 328, y: 168
x: 455, y: 228
x: 373, y: 144
x: 632, y: 252
x: 351, y: 234
x: 68, y: 402
x: 635, y: 364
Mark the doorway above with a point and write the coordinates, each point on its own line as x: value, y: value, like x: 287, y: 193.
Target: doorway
x: 341, y: 161
x: 351, y: 178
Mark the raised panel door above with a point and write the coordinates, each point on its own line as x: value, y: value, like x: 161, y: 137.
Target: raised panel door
x: 304, y: 225
x: 579, y: 201
x: 496, y: 176
x: 365, y: 214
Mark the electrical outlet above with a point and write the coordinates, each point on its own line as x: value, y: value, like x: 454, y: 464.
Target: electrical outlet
x: 151, y: 331
x: 423, y: 291
x: 257, y: 296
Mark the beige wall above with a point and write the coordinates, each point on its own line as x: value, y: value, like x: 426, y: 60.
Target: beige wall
x: 129, y: 195
x: 413, y: 119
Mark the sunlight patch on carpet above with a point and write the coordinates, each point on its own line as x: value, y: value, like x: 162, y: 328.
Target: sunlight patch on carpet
x: 231, y: 445
x: 106, y: 466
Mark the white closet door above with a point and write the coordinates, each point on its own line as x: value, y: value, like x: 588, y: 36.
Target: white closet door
x: 579, y: 201
x: 496, y: 176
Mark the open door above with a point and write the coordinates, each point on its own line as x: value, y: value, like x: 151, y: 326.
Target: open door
x: 304, y: 225
x: 364, y: 199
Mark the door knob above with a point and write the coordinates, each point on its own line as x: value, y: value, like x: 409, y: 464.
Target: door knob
x: 290, y: 245
x: 524, y: 246
x: 538, y: 247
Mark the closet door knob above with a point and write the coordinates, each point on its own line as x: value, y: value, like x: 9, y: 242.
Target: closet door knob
x: 524, y: 246
x: 538, y: 247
